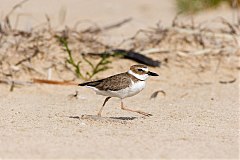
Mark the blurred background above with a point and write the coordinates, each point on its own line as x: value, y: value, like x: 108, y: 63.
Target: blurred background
x: 143, y: 13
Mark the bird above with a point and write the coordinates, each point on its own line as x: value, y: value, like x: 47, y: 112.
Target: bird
x: 122, y: 85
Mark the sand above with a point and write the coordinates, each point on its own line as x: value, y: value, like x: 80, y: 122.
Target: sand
x: 197, y: 118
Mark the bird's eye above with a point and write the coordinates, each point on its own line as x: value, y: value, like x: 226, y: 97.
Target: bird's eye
x: 140, y: 70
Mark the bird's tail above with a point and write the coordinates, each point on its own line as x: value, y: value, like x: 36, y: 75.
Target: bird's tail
x: 83, y: 84
x: 93, y: 83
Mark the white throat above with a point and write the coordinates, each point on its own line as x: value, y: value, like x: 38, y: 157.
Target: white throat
x: 138, y: 76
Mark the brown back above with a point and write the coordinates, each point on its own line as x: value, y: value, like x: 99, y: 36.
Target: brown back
x: 113, y: 83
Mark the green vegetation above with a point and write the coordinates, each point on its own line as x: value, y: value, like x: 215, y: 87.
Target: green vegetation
x: 70, y: 59
x: 193, y: 6
x: 99, y: 67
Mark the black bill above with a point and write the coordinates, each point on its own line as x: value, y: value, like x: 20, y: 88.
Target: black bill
x: 152, y: 73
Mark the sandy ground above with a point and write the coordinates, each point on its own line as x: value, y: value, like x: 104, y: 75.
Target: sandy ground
x: 198, y: 117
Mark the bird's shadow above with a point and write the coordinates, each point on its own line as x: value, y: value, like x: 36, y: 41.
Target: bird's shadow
x: 124, y: 118
x: 95, y: 117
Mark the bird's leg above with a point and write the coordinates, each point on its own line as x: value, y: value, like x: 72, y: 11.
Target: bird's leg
x: 131, y: 110
x: 105, y: 101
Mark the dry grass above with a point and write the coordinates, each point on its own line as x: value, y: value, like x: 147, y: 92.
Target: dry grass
x: 186, y: 41
x: 38, y: 53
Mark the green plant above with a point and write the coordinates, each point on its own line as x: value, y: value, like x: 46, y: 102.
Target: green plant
x: 193, y: 6
x: 70, y: 59
x: 99, y: 67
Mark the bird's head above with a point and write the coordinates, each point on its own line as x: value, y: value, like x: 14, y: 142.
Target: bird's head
x: 141, y: 72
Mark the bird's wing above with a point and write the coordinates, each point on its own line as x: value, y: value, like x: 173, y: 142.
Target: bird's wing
x: 113, y: 83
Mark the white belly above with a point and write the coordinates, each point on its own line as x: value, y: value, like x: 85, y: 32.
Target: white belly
x: 134, y: 89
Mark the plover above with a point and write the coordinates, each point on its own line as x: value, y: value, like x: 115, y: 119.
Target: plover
x: 122, y: 85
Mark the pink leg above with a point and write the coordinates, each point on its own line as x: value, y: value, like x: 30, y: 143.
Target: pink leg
x: 100, y: 111
x: 137, y: 111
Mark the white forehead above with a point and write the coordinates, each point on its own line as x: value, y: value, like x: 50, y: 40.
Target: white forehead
x: 145, y: 69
